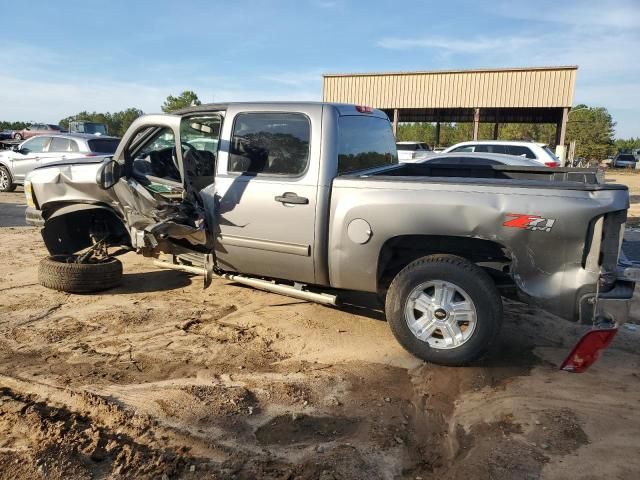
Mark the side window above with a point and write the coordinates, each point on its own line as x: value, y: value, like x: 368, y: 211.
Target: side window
x: 466, y: 148
x: 270, y: 143
x: 59, y: 144
x: 487, y: 148
x: 35, y: 145
x: 520, y: 151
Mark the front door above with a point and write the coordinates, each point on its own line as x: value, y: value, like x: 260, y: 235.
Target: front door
x: 165, y: 164
x: 28, y: 157
x: 266, y: 194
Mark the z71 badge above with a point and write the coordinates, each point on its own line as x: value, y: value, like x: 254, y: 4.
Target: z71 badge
x: 529, y: 222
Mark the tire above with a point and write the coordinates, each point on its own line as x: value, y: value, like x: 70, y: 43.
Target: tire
x: 6, y: 180
x: 17, y: 136
x: 56, y: 273
x: 474, y: 307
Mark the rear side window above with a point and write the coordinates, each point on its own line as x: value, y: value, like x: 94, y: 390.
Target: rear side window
x: 103, y: 145
x: 491, y: 148
x: 270, y: 143
x: 59, y: 144
x: 520, y: 151
x: 365, y: 142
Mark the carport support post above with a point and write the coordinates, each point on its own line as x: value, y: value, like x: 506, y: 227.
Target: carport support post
x: 395, y: 122
x: 437, y: 134
x: 476, y: 123
x: 561, y: 130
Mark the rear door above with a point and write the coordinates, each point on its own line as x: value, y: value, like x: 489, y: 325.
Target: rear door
x: 59, y: 148
x: 267, y: 184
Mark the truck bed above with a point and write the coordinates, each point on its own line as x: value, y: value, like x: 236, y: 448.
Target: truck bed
x: 535, y: 177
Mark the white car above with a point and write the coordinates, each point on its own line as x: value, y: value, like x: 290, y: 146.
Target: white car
x: 624, y: 160
x: 45, y: 149
x: 413, y: 151
x: 538, y: 152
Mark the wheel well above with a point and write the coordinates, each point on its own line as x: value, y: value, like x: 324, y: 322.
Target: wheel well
x: 398, y: 252
x: 73, y: 228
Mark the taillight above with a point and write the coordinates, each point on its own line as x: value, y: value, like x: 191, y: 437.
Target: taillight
x: 587, y: 350
x: 363, y: 109
x: 90, y: 154
x: 552, y: 164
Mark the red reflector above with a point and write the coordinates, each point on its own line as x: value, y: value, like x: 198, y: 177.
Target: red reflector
x: 587, y: 350
x: 552, y: 164
x: 363, y: 109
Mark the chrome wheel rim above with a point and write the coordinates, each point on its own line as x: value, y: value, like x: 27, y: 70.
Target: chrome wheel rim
x: 4, y: 180
x: 441, y: 314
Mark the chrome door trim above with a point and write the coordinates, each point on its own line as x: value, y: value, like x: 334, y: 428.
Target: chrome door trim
x: 268, y: 245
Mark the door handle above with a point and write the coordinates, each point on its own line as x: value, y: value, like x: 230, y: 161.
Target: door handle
x: 291, y: 197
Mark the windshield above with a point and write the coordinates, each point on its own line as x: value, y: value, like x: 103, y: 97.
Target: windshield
x: 627, y: 157
x: 104, y: 145
x: 410, y: 147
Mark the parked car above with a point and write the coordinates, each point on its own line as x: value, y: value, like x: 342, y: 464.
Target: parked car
x: 538, y: 152
x: 412, y: 151
x: 478, y: 159
x: 42, y: 150
x: 6, y: 134
x: 308, y: 200
x: 624, y: 160
x: 36, y: 129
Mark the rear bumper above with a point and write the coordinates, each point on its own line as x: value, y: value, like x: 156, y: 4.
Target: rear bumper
x: 614, y: 305
x: 34, y: 217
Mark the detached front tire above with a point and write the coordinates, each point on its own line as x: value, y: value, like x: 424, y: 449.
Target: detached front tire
x: 60, y: 272
x: 444, y: 309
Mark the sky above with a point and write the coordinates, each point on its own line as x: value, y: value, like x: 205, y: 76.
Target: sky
x: 59, y: 58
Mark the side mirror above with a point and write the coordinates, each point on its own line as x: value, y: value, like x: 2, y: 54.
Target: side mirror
x: 108, y: 174
x: 16, y: 148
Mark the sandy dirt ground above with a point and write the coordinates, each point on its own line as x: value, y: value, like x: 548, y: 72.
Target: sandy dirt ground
x: 162, y: 379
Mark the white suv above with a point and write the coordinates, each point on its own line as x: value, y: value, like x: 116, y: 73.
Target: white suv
x: 538, y: 152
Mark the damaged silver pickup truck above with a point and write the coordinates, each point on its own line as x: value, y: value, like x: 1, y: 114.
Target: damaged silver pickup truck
x: 308, y: 200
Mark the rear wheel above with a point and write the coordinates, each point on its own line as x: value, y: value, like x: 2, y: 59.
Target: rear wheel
x: 444, y: 309
x: 18, y: 136
x: 6, y: 181
x: 60, y: 272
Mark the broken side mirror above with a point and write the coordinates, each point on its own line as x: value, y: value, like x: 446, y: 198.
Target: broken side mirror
x: 108, y: 174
